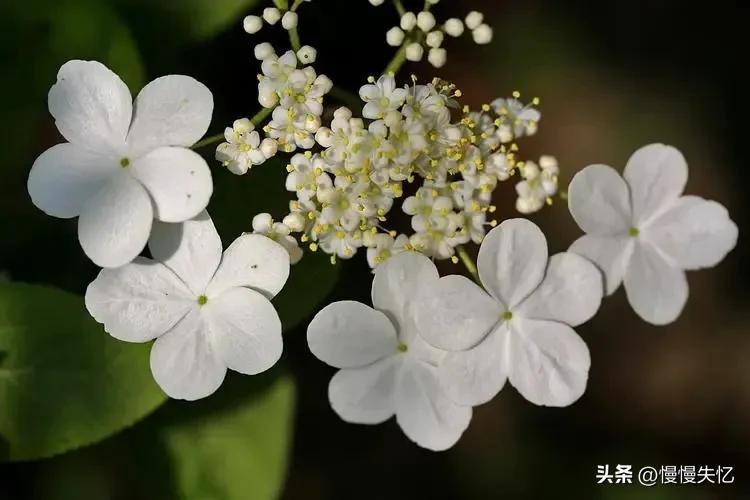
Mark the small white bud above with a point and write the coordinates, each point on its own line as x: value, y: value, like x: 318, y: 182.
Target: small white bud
x: 482, y: 34
x: 252, y: 24
x: 307, y: 55
x: 268, y: 147
x: 414, y: 52
x: 263, y: 51
x: 295, y: 222
x: 435, y: 39
x: 437, y: 57
x: 548, y: 163
x: 425, y: 21
x: 376, y: 2
x: 394, y: 36
x: 408, y: 21
x: 271, y: 15
x: 474, y: 19
x: 454, y: 27
x: 289, y: 21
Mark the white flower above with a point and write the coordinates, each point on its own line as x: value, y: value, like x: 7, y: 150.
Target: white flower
x: 381, y: 97
x: 386, y: 369
x: 517, y: 119
x: 640, y: 230
x: 307, y: 54
x: 124, y: 164
x: 278, y: 232
x: 520, y: 329
x: 207, y: 311
x: 384, y: 246
x: 244, y: 148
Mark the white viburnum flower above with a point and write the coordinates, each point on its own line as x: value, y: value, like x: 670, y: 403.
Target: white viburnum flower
x: 244, y: 148
x: 206, y: 311
x: 278, y: 232
x: 642, y: 231
x: 125, y: 164
x: 520, y: 329
x: 381, y: 97
x: 386, y: 369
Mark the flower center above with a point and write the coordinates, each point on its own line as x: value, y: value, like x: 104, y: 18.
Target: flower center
x: 124, y: 162
x: 202, y: 300
x: 633, y: 231
x: 402, y: 347
x: 507, y: 315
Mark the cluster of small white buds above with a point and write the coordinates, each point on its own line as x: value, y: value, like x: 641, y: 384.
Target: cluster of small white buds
x: 539, y: 184
x: 278, y: 232
x: 271, y: 15
x: 480, y: 32
x: 243, y: 147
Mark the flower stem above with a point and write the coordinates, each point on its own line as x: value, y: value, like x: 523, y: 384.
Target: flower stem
x: 398, y: 60
x: 294, y: 39
x: 399, y: 7
x: 213, y: 139
x: 468, y: 263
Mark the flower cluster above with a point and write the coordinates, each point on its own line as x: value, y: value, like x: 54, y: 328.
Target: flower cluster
x: 345, y: 192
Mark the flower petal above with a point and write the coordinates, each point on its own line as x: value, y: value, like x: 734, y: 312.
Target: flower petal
x: 245, y: 329
x: 474, y: 377
x: 92, y: 106
x: 549, y: 362
x: 253, y: 261
x: 570, y: 292
x: 138, y: 302
x: 365, y: 395
x: 512, y: 260
x: 192, y: 249
x: 694, y: 232
x: 184, y: 363
x: 65, y: 177
x: 656, y: 175
x: 611, y: 255
x: 455, y: 313
x: 174, y: 110
x: 349, y: 334
x: 656, y: 289
x: 598, y: 200
x: 424, y: 412
x: 398, y: 284
x: 114, y: 225
x: 178, y: 181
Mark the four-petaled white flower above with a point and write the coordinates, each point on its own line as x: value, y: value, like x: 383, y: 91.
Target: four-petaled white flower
x: 521, y: 329
x: 207, y: 311
x: 125, y: 164
x: 386, y: 369
x: 640, y: 230
x: 381, y: 97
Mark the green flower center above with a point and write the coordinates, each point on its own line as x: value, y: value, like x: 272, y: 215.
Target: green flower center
x: 124, y: 162
x: 633, y: 231
x: 507, y: 315
x: 402, y: 347
x: 202, y: 300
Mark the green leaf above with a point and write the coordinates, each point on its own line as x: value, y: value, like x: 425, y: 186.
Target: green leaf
x: 64, y: 383
x: 237, y: 451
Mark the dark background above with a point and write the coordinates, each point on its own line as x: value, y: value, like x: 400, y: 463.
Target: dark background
x: 612, y: 76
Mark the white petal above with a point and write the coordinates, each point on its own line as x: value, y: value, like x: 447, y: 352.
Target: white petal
x: 599, y: 201
x: 174, y: 110
x: 253, y: 261
x: 245, y: 329
x: 549, y: 362
x: 399, y: 283
x: 656, y: 175
x: 570, y: 292
x: 512, y: 260
x: 65, y: 177
x: 192, y: 249
x: 349, y: 334
x: 365, y: 395
x: 473, y: 377
x: 178, y: 181
x: 138, y: 302
x: 694, y: 232
x: 611, y: 255
x: 455, y: 313
x: 424, y: 412
x: 92, y: 106
x: 114, y: 225
x: 656, y: 289
x: 184, y: 363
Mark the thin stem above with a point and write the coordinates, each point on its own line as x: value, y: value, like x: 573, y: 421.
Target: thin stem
x: 468, y: 263
x: 398, y: 59
x: 345, y: 97
x: 296, y: 5
x: 213, y: 139
x: 294, y: 39
x: 399, y: 8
